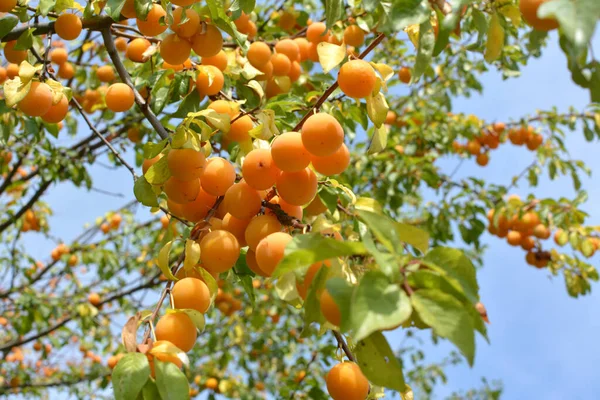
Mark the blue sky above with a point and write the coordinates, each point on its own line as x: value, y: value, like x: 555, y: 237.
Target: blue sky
x: 542, y: 340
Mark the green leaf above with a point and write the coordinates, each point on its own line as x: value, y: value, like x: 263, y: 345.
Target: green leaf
x: 378, y: 304
x: 25, y: 41
x: 150, y: 391
x: 448, y: 318
x: 379, y: 363
x: 342, y: 293
x: 379, y: 140
x: 305, y: 250
x: 6, y: 25
x: 163, y: 261
x: 577, y: 19
x: 195, y: 316
x: 113, y: 9
x: 62, y: 5
x: 458, y: 269
x: 312, y: 307
x: 221, y: 19
x: 143, y: 192
x: 448, y: 24
x: 414, y: 236
x: 588, y: 133
x: 171, y: 382
x: 377, y: 109
x: 159, y: 172
x: 151, y: 150
x: 161, y: 91
x: 142, y: 8
x: 334, y: 11
x: 384, y: 229
x: 130, y: 376
x: 425, y: 50
x: 408, y: 12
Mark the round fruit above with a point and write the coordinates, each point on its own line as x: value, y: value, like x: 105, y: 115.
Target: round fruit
x: 223, y: 107
x: 289, y: 153
x: 68, y: 26
x: 191, y: 293
x: 242, y: 201
x: 57, y: 112
x: 150, y: 162
x: 259, y: 169
x: 297, y: 188
x: 178, y: 329
x: 529, y: 9
x: 295, y: 71
x: 287, y: 21
x: 333, y: 164
x: 252, y: 264
x: 151, y: 26
x: 219, y: 250
x: 218, y: 176
x: 302, y: 44
x: 281, y: 64
x: 288, y: 48
x: 136, y: 49
x: 191, y: 24
x: 209, y: 80
x: 259, y: 54
x: 128, y: 9
x: 330, y: 309
x: 270, y: 251
x: 207, y: 41
x: 186, y: 164
x: 404, y: 75
x: 354, y: 36
x: 59, y: 56
x: 175, y: 50
x: 119, y: 97
x: 345, y: 381
x: 182, y: 191
x: 14, y: 56
x: 260, y: 227
x: 7, y: 5
x: 219, y: 60
x: 304, y: 285
x: 316, y: 32
x: 513, y: 238
x: 238, y: 132
x: 322, y: 135
x: 106, y: 73
x: 482, y: 159
x: 196, y: 210
x: 357, y: 79
x: 38, y: 100
x: 237, y: 227
x: 289, y: 209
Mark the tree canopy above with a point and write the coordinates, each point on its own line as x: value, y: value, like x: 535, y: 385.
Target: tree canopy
x: 283, y: 158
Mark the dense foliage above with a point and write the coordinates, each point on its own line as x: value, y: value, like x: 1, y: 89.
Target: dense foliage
x: 288, y: 155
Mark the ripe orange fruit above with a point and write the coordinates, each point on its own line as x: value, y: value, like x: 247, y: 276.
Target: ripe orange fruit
x: 218, y: 176
x: 59, y: 56
x: 289, y: 153
x: 190, y: 26
x: 242, y: 22
x: 303, y: 285
x: 517, y: 136
x: 259, y: 169
x: 223, y: 107
x: 209, y: 80
x: 235, y: 226
x: 322, y: 135
x: 482, y: 159
x: 354, y: 36
x: 267, y: 71
x: 149, y: 162
x: 242, y: 201
x: 513, y: 238
x: 186, y: 164
x: 527, y: 243
x: 181, y: 192
x: 68, y: 26
x: 207, y: 41
x: 529, y: 9
x: 197, y: 209
x: 57, y: 112
x: 295, y: 71
x: 404, y: 75
x: 178, y: 329
x: 260, y: 227
x: 238, y: 132
x: 541, y: 231
x: 270, y: 251
x: 66, y: 71
x: 219, y: 250
x: 121, y: 44
x: 345, y: 381
x: 119, y: 97
x: 211, y: 384
x: 113, y: 360
x: 534, y: 140
x: 259, y: 53
x: 313, y: 54
x: 219, y: 60
x: 332, y: 164
x: 297, y: 188
x: 175, y: 50
x: 288, y: 48
x: 252, y: 264
x: 302, y: 44
x: 105, y: 73
x: 287, y: 21
x: 136, y: 49
x: 315, y: 207
x: 357, y: 79
x: 330, y: 309
x: 281, y: 64
x: 128, y: 9
x: 474, y: 147
x: 3, y: 74
x: 151, y: 25
x: 38, y: 100
x: 191, y: 293
x: 316, y: 33
x: 14, y: 56
x: 94, y: 299
x: 7, y: 5
x: 499, y: 127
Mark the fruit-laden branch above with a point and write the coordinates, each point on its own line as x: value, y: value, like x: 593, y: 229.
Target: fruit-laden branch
x: 109, y: 43
x: 36, y: 196
x: 66, y: 382
x: 332, y: 88
x: 150, y: 283
x: 12, y: 173
x: 92, y: 24
x: 194, y: 235
x: 343, y: 345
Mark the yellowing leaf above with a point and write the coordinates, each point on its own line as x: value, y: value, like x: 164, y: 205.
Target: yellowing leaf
x: 15, y: 90
x: 330, y: 55
x: 369, y: 204
x: 413, y: 34
x: 384, y: 70
x: 163, y: 261
x: 27, y: 71
x: 284, y: 83
x: 379, y: 140
x: 249, y: 72
x: 285, y: 287
x: 150, y: 51
x: 254, y: 85
x: 87, y: 46
x: 166, y: 347
x: 219, y: 121
x: 196, y: 316
x: 495, y: 40
x: 192, y: 254
x: 266, y: 128
x: 377, y: 109
x: 57, y: 90
x: 512, y: 12
x: 210, y: 281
